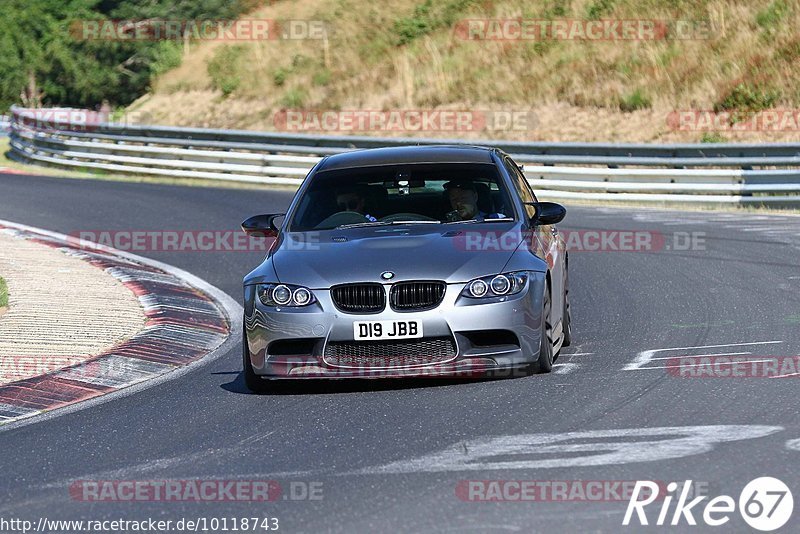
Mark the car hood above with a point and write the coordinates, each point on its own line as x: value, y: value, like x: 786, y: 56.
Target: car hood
x: 411, y: 253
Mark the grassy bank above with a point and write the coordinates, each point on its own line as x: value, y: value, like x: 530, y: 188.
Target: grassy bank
x: 740, y: 57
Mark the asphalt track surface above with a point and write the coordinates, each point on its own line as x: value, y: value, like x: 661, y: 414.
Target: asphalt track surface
x: 370, y: 444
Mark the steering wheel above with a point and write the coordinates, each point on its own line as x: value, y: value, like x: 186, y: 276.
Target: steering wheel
x: 342, y: 217
x: 406, y: 217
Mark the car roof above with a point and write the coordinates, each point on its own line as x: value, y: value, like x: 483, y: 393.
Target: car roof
x: 407, y: 154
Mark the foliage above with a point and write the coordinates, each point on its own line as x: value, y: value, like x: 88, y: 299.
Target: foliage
x: 713, y: 137
x: 224, y: 66
x: 748, y: 97
x: 45, y: 58
x: 429, y: 16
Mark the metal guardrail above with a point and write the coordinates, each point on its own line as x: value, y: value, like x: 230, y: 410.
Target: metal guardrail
x: 731, y: 174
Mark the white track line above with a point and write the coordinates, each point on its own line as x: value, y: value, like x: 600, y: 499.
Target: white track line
x: 644, y: 357
x: 701, y: 355
x: 565, y: 368
x: 701, y: 365
x: 786, y: 375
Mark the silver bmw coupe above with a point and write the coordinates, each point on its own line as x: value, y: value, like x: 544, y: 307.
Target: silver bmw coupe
x: 412, y: 261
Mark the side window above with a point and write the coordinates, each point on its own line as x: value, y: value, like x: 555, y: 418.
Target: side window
x: 521, y: 185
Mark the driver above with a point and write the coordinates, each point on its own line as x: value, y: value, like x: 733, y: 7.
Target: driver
x: 353, y: 199
x: 463, y: 196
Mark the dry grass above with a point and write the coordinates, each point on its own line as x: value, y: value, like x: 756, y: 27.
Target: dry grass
x: 576, y: 89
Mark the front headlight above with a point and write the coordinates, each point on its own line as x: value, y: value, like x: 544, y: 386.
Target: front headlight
x: 284, y: 295
x: 500, y: 285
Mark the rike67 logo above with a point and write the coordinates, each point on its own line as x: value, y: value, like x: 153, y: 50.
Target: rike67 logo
x: 765, y: 504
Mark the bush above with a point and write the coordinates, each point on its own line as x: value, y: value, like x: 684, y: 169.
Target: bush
x: 293, y: 98
x: 427, y: 17
x: 321, y: 78
x: 772, y: 16
x: 634, y: 101
x: 417, y: 25
x: 280, y: 75
x: 166, y: 56
x: 598, y: 9
x: 747, y: 97
x: 223, y: 68
x: 713, y: 137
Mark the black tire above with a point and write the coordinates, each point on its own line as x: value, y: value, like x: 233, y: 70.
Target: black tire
x: 545, y: 362
x: 567, y: 314
x: 254, y: 383
x: 567, y: 321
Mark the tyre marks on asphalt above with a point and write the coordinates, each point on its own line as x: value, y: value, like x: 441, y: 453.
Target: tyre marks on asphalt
x: 568, y: 366
x: 183, y: 324
x: 784, y: 228
x: 574, y: 449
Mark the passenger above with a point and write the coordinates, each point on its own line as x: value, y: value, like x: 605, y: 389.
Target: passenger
x: 463, y: 196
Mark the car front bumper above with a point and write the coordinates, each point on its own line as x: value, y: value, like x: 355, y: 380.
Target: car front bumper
x: 485, y: 337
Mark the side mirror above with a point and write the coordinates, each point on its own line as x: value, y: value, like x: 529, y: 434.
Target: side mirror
x: 262, y: 225
x: 547, y: 213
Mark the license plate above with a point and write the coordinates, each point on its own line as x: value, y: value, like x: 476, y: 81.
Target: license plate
x: 386, y: 329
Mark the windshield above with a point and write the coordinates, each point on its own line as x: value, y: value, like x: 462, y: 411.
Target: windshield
x: 402, y: 194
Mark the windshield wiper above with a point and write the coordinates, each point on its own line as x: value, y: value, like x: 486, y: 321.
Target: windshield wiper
x: 384, y: 223
x: 476, y: 221
x: 365, y: 223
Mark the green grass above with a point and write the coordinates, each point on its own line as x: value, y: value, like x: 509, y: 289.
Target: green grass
x: 636, y: 100
x: 713, y: 137
x: 3, y: 293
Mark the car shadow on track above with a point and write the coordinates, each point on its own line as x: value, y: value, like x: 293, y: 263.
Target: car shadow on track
x: 329, y: 386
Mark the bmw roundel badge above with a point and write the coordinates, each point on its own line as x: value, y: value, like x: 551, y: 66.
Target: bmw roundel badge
x: 387, y: 275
